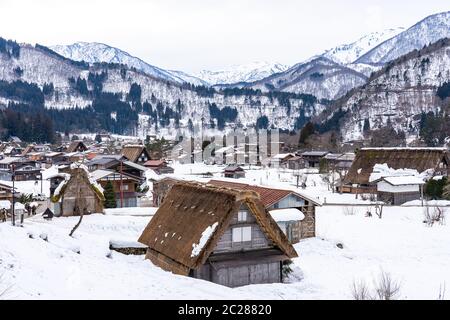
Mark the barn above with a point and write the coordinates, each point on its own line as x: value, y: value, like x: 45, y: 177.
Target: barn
x: 217, y: 234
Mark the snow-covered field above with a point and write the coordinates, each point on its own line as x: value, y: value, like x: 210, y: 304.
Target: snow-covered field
x: 62, y: 267
x: 349, y: 247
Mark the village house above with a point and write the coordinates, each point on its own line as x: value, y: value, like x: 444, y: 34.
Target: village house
x: 357, y: 180
x: 76, y: 146
x: 217, y: 234
x: 296, y: 163
x: 312, y: 158
x: 278, y: 199
x: 161, y: 188
x: 117, y: 163
x: 159, y: 166
x: 79, y: 194
x: 22, y: 169
x: 136, y: 153
x: 234, y: 172
x: 397, y: 190
x: 5, y: 191
x: 124, y: 185
x: 281, y: 160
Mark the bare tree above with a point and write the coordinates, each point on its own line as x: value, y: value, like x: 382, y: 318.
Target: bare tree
x: 386, y: 288
x: 3, y: 288
x: 379, y: 209
x: 360, y: 290
x: 436, y: 216
x: 349, y: 210
x: 441, y: 292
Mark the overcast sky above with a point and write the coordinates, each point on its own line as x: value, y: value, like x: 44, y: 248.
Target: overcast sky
x: 191, y: 35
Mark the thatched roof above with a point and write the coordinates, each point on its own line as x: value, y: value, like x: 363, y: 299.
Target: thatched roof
x: 74, y: 145
x: 132, y: 153
x: 268, y: 196
x: 188, y: 211
x: 83, y: 174
x: 420, y: 159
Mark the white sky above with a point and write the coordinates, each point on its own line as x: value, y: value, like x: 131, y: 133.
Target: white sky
x: 191, y: 35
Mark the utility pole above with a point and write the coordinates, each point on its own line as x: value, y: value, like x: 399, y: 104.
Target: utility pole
x: 121, y: 184
x: 13, y: 216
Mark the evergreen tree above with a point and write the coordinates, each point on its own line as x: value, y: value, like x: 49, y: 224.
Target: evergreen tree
x: 110, y: 196
x: 306, y: 132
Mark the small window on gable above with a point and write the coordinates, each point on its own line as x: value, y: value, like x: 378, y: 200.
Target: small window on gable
x: 242, y: 216
x: 243, y: 234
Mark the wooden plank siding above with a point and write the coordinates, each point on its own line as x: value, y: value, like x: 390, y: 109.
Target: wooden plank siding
x: 258, y: 238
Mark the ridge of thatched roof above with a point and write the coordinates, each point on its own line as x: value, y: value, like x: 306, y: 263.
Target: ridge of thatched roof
x: 132, y: 152
x: 420, y: 159
x: 189, y: 210
x: 75, y: 172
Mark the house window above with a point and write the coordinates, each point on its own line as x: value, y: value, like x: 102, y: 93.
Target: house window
x: 243, y: 234
x: 242, y: 216
x: 124, y: 187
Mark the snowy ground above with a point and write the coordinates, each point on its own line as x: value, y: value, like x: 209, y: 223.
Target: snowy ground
x: 62, y: 267
x: 349, y: 247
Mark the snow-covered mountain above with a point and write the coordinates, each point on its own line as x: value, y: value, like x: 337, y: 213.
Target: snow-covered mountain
x: 348, y: 53
x: 320, y: 77
x: 242, y: 73
x: 156, y: 103
x: 93, y: 52
x: 427, y: 31
x: 399, y: 93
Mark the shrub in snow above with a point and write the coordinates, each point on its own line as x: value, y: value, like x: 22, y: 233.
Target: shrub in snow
x: 360, y: 290
x: 435, y: 215
x: 287, y: 268
x: 349, y: 211
x: 384, y: 288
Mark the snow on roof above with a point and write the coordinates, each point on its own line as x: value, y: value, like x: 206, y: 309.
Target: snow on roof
x: 8, y: 160
x: 282, y: 155
x: 100, y: 173
x: 198, y: 247
x: 403, y: 180
x: 291, y: 214
x: 407, y: 148
x: 382, y: 170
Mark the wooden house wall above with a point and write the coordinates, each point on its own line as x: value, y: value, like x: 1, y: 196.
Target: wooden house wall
x: 258, y: 238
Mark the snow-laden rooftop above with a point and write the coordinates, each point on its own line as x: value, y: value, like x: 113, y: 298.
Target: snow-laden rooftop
x: 403, y: 180
x: 284, y: 215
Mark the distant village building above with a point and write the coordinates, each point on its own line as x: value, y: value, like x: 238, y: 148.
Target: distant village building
x: 296, y: 163
x: 234, y: 172
x: 77, y: 195
x: 281, y: 160
x: 136, y: 153
x: 159, y: 166
x: 398, y: 190
x: 161, y: 189
x: 221, y: 235
x: 76, y: 146
x: 124, y: 185
x: 5, y: 191
x: 357, y: 180
x: 312, y: 158
x: 23, y: 169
